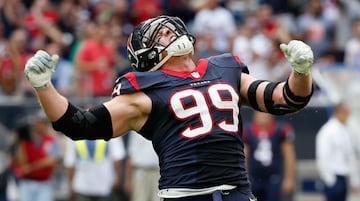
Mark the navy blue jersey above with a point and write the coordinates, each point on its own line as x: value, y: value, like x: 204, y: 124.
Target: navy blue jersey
x: 195, y: 123
x: 265, y: 157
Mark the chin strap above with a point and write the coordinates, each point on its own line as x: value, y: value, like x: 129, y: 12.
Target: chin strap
x: 181, y: 46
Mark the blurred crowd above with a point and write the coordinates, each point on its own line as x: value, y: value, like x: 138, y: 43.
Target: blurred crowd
x: 90, y: 36
x: 40, y: 164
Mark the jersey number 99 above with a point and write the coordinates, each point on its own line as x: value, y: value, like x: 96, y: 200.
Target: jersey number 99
x: 201, y: 109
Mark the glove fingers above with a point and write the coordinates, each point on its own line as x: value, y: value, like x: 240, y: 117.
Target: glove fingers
x: 305, y: 58
x: 35, y: 66
x: 54, y: 61
x: 303, y: 51
x: 45, y: 59
x: 39, y: 68
x: 283, y: 48
x: 40, y: 65
x: 42, y: 53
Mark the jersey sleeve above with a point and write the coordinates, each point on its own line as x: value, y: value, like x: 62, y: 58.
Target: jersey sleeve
x: 138, y: 81
x: 125, y: 84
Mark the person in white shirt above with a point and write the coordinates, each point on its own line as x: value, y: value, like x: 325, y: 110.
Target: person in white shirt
x: 335, y: 155
x: 213, y: 26
x: 94, y: 168
x: 143, y: 172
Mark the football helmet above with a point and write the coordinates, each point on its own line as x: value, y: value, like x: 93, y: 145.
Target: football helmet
x: 145, y: 53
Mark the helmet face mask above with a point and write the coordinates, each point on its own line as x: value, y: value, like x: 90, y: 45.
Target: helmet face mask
x: 146, y: 53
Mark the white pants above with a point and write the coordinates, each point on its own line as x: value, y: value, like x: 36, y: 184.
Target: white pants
x: 35, y: 190
x: 145, y: 181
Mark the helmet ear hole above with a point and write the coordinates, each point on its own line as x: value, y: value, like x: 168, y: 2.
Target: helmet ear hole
x: 148, y: 58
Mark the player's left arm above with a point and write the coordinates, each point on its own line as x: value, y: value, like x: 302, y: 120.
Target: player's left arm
x: 280, y: 98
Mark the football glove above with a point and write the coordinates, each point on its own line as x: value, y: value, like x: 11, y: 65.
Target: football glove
x: 299, y: 55
x: 39, y: 69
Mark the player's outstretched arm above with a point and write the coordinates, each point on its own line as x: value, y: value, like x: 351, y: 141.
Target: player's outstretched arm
x: 104, y: 121
x: 283, y: 97
x: 75, y: 122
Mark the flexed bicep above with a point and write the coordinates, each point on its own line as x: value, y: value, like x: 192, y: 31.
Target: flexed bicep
x: 128, y: 112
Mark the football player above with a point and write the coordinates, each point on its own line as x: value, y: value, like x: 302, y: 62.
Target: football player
x: 190, y: 111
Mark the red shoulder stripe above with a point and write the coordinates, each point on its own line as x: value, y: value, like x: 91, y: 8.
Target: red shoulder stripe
x: 132, y: 79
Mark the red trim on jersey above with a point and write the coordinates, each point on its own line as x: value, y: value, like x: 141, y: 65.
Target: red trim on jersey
x: 132, y: 79
x: 129, y: 43
x: 269, y: 131
x: 286, y: 130
x: 199, y: 70
x: 237, y: 59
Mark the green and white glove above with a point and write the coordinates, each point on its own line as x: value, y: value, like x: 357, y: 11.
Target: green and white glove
x: 39, y: 69
x: 299, y: 55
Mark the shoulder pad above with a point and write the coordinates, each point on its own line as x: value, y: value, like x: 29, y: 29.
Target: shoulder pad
x: 136, y: 81
x: 228, y: 60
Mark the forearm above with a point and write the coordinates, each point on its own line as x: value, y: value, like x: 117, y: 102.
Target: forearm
x: 300, y: 85
x: 289, y: 168
x: 46, y: 162
x: 70, y: 175
x: 118, y: 174
x: 53, y: 103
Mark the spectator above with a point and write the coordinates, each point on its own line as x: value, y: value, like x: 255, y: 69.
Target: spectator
x: 94, y: 168
x: 182, y: 9
x: 12, y: 64
x: 270, y: 153
x: 69, y: 21
x: 315, y: 28
x: 5, y: 145
x: 213, y: 28
x: 143, y: 169
x: 36, y: 159
x: 352, y: 46
x: 348, y: 12
x: 63, y: 75
x: 40, y: 22
x: 95, y: 62
x: 241, y: 43
x: 12, y: 14
x: 144, y: 9
x: 335, y: 155
x: 278, y: 6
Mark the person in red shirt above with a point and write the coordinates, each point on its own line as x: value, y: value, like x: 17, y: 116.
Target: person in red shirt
x: 41, y: 12
x: 145, y: 9
x: 95, y: 61
x: 12, y: 64
x: 35, y: 159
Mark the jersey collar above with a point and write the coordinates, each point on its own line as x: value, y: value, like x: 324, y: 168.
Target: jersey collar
x: 196, y: 74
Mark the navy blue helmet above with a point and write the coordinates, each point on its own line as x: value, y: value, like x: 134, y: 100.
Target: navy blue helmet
x: 145, y: 53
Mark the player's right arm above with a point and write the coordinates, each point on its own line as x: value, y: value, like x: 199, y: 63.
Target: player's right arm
x: 111, y: 119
